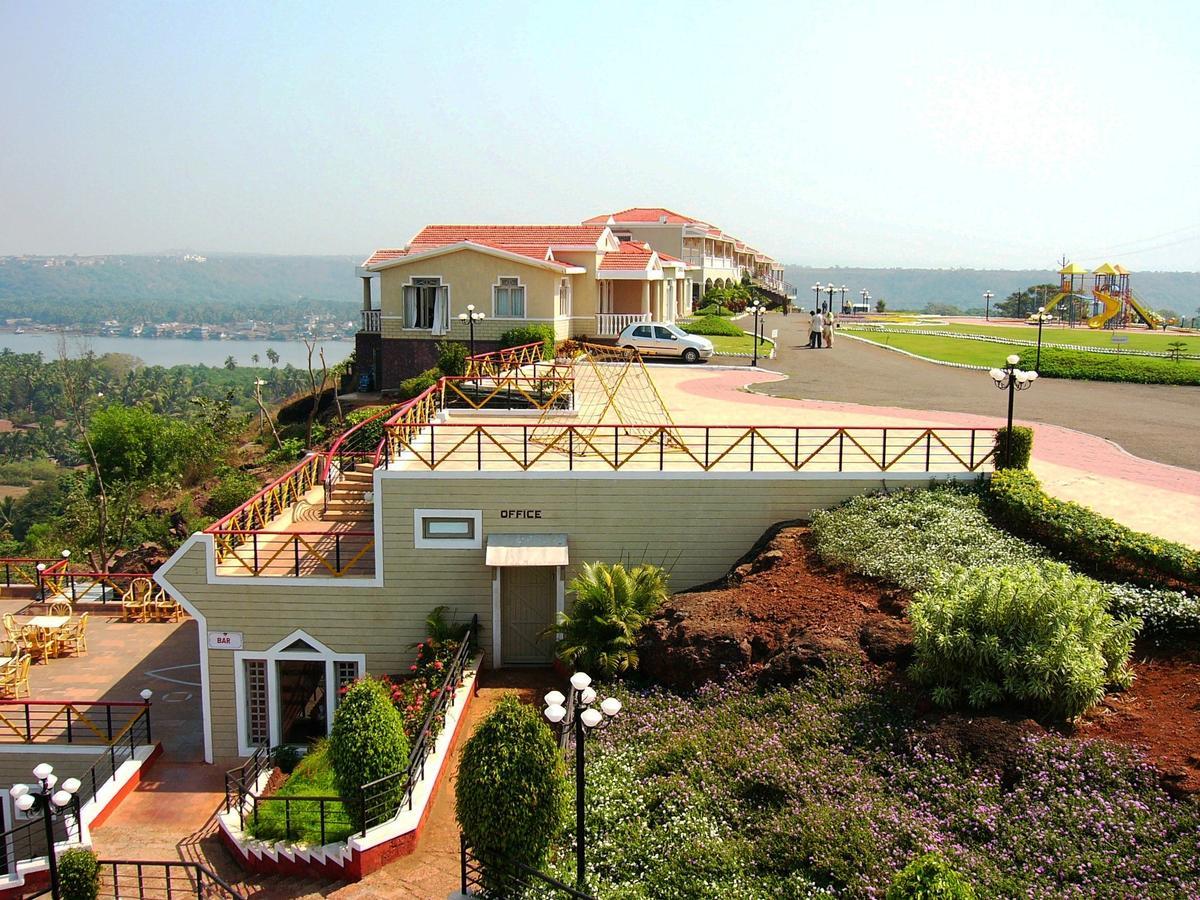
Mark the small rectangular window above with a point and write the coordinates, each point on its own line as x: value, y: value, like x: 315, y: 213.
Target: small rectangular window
x: 257, y: 725
x: 509, y: 299
x: 448, y: 529
x: 437, y: 527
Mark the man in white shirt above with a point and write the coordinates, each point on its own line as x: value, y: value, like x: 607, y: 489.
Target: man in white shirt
x: 817, y: 325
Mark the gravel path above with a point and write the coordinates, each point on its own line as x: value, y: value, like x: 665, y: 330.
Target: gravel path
x: 1157, y: 422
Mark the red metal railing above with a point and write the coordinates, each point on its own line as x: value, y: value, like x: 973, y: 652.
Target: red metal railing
x: 90, y: 587
x: 22, y: 571
x: 277, y: 552
x: 498, y: 362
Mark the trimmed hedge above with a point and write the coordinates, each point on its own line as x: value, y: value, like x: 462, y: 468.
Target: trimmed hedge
x: 1021, y: 442
x: 452, y: 358
x: 367, y: 742
x: 1092, y: 541
x: 712, y: 325
x: 79, y: 874
x: 411, y: 387
x: 530, y: 334
x: 1112, y: 367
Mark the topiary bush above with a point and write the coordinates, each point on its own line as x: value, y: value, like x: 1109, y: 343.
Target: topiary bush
x: 530, y: 334
x: 1037, y: 635
x: 1096, y: 543
x: 1013, y: 450
x: 79, y: 874
x: 367, y: 742
x: 510, y: 797
x: 929, y: 877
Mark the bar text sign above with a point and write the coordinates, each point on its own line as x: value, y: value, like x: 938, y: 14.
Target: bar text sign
x: 225, y: 640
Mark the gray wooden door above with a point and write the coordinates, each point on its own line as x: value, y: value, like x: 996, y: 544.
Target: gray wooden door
x: 527, y: 595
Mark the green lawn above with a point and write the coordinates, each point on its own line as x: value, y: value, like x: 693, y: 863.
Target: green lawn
x: 1139, y: 338
x: 1055, y: 363
x: 743, y: 345
x: 313, y: 777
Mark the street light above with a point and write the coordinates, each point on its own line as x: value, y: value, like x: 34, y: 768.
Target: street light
x: 830, y: 289
x: 1037, y: 365
x: 816, y: 289
x: 757, y: 310
x: 866, y: 298
x: 471, y: 317
x: 581, y: 718
x: 842, y: 291
x: 50, y: 803
x: 1012, y: 379
x: 987, y: 308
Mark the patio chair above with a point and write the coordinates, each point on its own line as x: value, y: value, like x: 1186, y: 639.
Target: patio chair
x: 135, y: 603
x: 37, y: 642
x: 73, y: 636
x: 14, y: 678
x: 166, y: 607
x: 11, y: 628
x: 60, y: 608
x: 11, y: 647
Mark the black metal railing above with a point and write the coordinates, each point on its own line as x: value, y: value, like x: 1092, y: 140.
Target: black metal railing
x: 26, y: 840
x: 240, y: 781
x: 384, y: 797
x: 120, y: 751
x: 303, y: 818
x: 151, y: 880
x: 97, y: 722
x: 504, y: 881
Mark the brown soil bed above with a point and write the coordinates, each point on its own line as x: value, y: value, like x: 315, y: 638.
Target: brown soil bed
x: 781, y: 612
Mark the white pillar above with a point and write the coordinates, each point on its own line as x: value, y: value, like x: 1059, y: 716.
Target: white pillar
x: 645, y: 298
x: 366, y: 293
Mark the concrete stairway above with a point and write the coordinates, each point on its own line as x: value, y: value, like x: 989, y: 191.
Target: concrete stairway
x: 348, y: 501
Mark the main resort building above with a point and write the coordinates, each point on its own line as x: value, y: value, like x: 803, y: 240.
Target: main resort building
x: 487, y: 492
x: 587, y: 281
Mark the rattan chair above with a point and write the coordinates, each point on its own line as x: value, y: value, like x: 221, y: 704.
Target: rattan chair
x: 14, y: 678
x: 72, y: 637
x: 38, y: 643
x: 11, y: 627
x: 135, y: 605
x: 166, y: 607
x: 60, y: 608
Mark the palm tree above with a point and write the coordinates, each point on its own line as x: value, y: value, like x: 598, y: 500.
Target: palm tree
x: 612, y: 604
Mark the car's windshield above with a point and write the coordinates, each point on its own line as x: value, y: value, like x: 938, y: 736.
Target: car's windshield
x: 677, y: 331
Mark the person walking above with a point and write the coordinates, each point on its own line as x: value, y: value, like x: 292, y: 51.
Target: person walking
x: 827, y: 331
x: 818, y: 329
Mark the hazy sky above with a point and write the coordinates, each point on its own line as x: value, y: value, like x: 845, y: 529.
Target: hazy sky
x: 840, y: 133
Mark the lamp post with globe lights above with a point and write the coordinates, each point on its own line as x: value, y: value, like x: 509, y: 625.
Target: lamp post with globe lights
x: 816, y: 289
x: 43, y: 798
x: 1041, y: 314
x: 757, y: 310
x: 866, y: 298
x: 471, y: 317
x: 987, y: 305
x: 1012, y: 379
x: 579, y: 717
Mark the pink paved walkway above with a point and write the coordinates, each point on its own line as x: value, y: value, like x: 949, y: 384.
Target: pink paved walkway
x: 1149, y: 496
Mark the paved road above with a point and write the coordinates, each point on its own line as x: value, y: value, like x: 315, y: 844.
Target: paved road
x: 1157, y: 422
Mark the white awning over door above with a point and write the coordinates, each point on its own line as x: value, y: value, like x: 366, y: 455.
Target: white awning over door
x: 527, y: 550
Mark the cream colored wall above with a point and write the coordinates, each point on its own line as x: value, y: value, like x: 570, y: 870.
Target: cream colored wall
x: 696, y: 525
x: 665, y: 240
x: 471, y: 276
x: 627, y: 297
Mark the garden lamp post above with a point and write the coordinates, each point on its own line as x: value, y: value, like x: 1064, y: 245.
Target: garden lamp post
x: 987, y: 305
x: 471, y: 317
x: 44, y: 799
x: 866, y: 298
x: 1037, y: 364
x: 816, y: 289
x: 757, y: 310
x: 579, y: 718
x: 1012, y: 379
x: 842, y: 290
x: 830, y: 290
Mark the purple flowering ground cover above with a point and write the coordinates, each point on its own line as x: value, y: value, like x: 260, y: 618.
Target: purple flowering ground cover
x: 831, y: 786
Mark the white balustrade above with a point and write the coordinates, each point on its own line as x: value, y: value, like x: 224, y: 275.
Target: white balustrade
x: 612, y: 324
x: 370, y: 321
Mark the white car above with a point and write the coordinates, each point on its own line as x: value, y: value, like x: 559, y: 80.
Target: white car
x: 664, y: 339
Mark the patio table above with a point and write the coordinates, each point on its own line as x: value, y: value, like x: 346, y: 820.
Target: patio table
x: 49, y: 623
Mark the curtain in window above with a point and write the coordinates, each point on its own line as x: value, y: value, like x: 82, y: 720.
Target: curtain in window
x: 441, y: 311
x: 411, y: 298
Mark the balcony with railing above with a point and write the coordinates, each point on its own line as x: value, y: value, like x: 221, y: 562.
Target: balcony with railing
x: 612, y: 324
x: 371, y: 321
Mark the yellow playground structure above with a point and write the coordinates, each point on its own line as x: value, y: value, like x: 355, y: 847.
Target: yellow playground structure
x: 1114, y: 303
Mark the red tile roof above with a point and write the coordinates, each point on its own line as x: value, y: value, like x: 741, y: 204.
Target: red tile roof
x: 630, y: 256
x: 642, y: 214
x: 534, y: 241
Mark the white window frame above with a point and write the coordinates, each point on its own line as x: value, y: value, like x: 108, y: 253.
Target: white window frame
x: 509, y: 287
x: 423, y: 543
x: 563, y: 298
x: 273, y: 655
x: 442, y: 291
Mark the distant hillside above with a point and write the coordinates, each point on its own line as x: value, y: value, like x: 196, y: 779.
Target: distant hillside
x: 914, y: 288
x: 66, y: 290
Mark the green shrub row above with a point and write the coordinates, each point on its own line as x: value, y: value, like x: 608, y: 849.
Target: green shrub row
x: 1094, y: 542
x: 712, y: 325
x: 713, y: 309
x: 418, y: 384
x: 1112, y: 367
x: 530, y: 334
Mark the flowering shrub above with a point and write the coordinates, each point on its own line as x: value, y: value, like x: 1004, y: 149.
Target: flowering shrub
x: 831, y: 787
x: 1162, y: 612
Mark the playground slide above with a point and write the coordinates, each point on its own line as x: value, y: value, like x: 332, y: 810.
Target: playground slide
x: 1112, y: 306
x: 1054, y: 301
x: 1154, y: 320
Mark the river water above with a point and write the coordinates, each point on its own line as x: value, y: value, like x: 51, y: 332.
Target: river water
x: 176, y: 351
